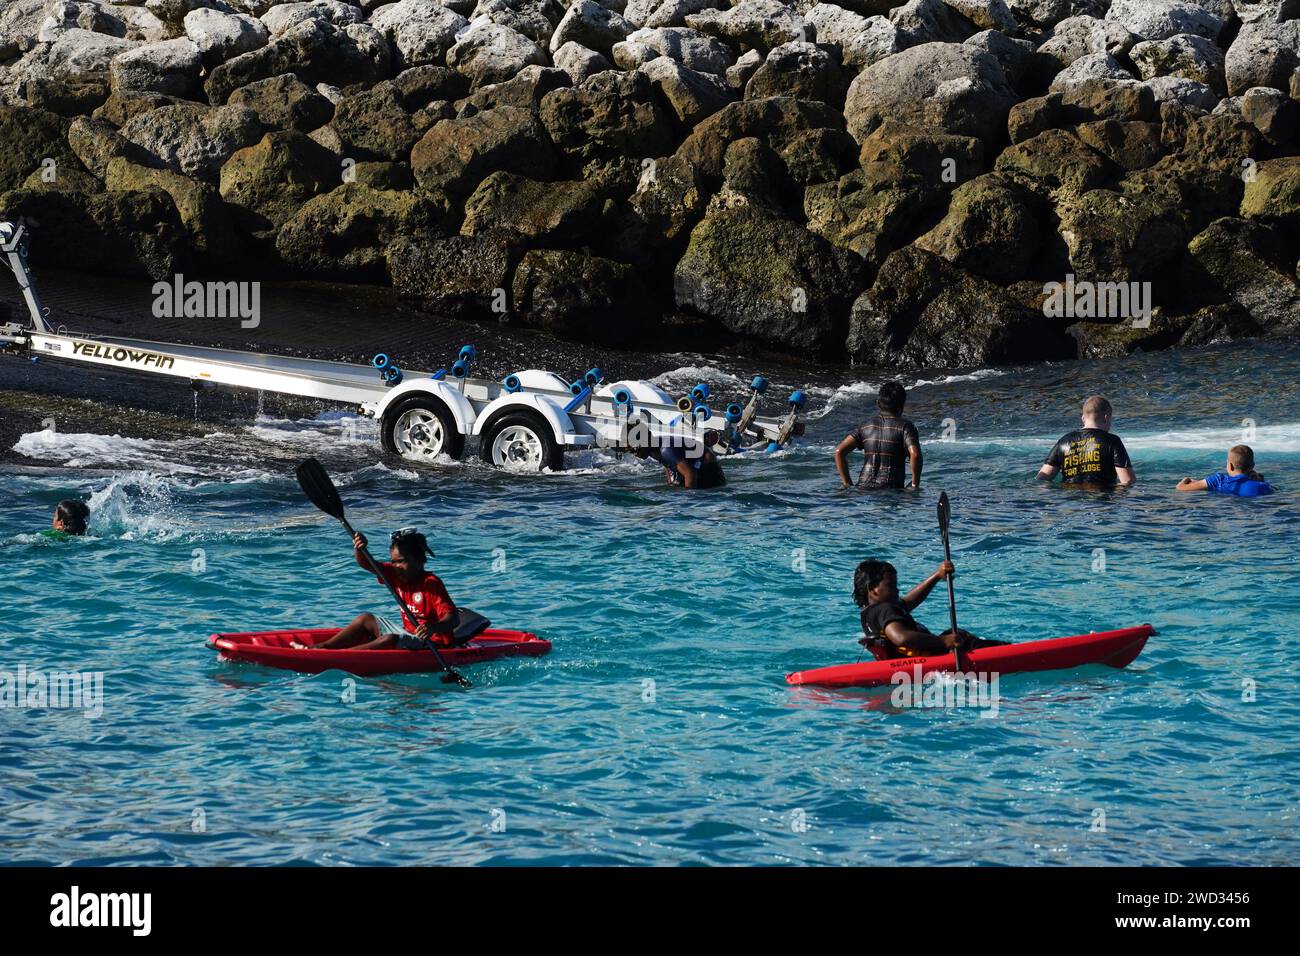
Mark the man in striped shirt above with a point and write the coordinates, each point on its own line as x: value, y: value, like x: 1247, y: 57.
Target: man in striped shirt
x: 888, y: 441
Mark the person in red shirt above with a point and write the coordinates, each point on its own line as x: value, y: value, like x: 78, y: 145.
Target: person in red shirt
x: 423, y: 592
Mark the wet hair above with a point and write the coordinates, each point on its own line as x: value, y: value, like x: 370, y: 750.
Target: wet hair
x: 1097, y: 407
x: 892, y: 398
x: 869, y: 574
x: 73, y: 515
x: 1242, y: 457
x: 412, y: 545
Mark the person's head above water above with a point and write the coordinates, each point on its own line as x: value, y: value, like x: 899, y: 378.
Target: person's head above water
x: 407, y: 550
x: 892, y: 398
x: 874, y: 581
x: 71, y: 516
x: 1241, y: 461
x: 1097, y: 413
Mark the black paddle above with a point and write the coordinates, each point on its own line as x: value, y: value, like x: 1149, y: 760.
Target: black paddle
x: 318, y: 487
x: 944, y: 515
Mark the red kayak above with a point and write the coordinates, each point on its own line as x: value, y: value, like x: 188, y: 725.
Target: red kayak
x: 272, y: 649
x: 1112, y: 648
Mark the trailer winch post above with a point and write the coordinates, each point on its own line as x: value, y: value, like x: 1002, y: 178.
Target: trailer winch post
x: 13, y: 241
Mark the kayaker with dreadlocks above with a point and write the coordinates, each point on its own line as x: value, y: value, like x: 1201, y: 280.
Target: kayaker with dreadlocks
x: 423, y: 592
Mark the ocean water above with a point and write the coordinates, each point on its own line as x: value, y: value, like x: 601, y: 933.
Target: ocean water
x: 660, y: 729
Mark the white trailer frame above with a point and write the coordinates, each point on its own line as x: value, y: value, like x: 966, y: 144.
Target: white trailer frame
x: 527, y: 426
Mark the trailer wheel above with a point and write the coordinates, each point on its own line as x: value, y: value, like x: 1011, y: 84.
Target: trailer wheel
x: 521, y: 441
x: 421, y: 428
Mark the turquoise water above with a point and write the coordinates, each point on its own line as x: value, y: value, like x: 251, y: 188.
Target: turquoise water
x: 660, y: 729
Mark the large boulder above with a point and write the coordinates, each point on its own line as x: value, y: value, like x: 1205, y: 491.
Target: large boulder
x: 803, y: 70
x: 282, y: 17
x: 1263, y: 54
x: 1187, y: 55
x: 535, y: 19
x: 97, y: 142
x: 344, y: 234
x: 457, y: 154
x: 420, y: 31
x: 872, y: 210
x: 544, y: 213
x: 194, y: 139
x: 690, y: 48
x: 1076, y: 37
x: 490, y: 53
x: 526, y: 90
x: 594, y: 26
x: 691, y: 96
x: 200, y: 208
x: 761, y: 24
x: 81, y: 54
x: 1253, y: 265
x: 931, y: 21
x: 374, y: 124
x: 946, y: 86
x: 313, y: 49
x: 1055, y: 162
x: 662, y: 13
x: 579, y: 62
x: 458, y: 275
x: 1272, y: 194
x: 861, y: 40
x: 1162, y: 19
x: 610, y: 116
x: 171, y: 67
x: 1117, y: 237
x: 30, y: 138
x: 269, y: 181
x: 284, y: 102
x: 134, y: 234
x: 777, y: 121
x: 578, y: 296
x: 219, y: 36
x: 923, y: 311
x: 990, y: 230
x: 764, y: 276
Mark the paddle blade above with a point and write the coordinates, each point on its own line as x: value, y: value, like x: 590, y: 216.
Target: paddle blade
x: 319, y: 489
x: 944, y: 513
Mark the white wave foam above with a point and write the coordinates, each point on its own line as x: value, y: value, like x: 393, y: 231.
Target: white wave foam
x: 85, y: 450
x: 690, y: 375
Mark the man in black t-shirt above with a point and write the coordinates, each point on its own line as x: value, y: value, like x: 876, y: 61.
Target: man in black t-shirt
x: 1090, y: 456
x: 889, y: 443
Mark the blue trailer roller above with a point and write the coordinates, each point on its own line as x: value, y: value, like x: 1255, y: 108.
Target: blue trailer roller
x: 467, y: 354
x: 701, y: 413
x: 701, y: 392
x: 580, y: 396
x: 439, y: 375
x: 684, y: 404
x: 759, y: 384
x: 575, y: 388
x: 459, y: 369
x: 593, y: 377
x: 623, y: 397
x: 512, y: 383
x: 734, y: 412
x: 380, y: 361
x: 392, y: 375
x: 798, y: 399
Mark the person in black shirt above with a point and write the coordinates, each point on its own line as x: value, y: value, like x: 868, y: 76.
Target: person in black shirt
x: 1090, y: 456
x: 887, y: 620
x: 887, y: 441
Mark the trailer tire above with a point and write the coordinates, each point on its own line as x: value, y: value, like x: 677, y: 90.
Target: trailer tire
x: 420, y: 428
x: 521, y: 441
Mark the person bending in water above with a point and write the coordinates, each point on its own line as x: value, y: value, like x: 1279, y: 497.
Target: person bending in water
x: 887, y: 622
x: 1090, y: 456
x: 687, y: 463
x: 70, y: 519
x: 423, y: 592
x: 887, y: 441
x: 1241, y: 480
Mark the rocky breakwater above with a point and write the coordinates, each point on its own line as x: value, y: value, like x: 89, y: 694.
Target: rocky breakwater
x: 937, y: 183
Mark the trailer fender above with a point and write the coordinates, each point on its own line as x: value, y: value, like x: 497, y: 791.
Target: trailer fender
x: 552, y: 412
x: 459, y: 406
x: 639, y: 391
